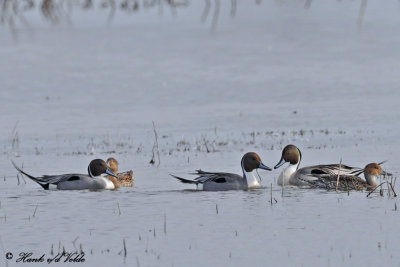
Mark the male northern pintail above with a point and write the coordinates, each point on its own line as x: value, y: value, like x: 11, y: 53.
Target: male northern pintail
x: 125, y: 179
x: 220, y: 181
x: 78, y: 181
x: 292, y: 175
x: 350, y: 182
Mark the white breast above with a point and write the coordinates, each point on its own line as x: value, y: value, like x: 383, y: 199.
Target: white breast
x: 252, y: 181
x: 285, y: 175
x: 109, y: 184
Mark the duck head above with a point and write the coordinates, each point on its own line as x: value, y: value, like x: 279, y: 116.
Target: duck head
x: 252, y: 161
x: 98, y: 167
x: 371, y: 172
x: 290, y: 154
x: 112, y: 164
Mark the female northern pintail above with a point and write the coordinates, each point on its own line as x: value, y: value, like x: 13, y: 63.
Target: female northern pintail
x: 78, y: 181
x: 292, y: 175
x: 350, y: 182
x: 220, y: 181
x: 125, y: 179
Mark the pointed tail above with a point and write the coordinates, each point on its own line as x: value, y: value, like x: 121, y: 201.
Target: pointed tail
x: 185, y: 181
x: 37, y: 180
x: 357, y: 172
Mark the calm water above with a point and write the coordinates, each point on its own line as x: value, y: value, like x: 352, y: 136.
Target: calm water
x: 274, y: 74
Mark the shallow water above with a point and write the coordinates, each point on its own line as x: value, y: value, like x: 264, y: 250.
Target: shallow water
x: 272, y: 75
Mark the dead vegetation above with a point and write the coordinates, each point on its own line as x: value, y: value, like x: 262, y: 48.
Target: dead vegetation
x: 60, y: 11
x: 390, y: 187
x: 155, y: 147
x: 171, y: 144
x: 14, y: 142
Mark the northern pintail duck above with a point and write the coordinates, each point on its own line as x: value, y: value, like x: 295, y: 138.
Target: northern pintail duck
x: 220, y: 181
x: 125, y: 179
x: 78, y: 181
x: 350, y: 182
x: 292, y: 175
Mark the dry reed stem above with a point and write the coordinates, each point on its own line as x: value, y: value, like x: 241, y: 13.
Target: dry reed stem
x: 215, y: 16
x: 373, y: 190
x: 206, y: 10
x: 338, y: 176
x: 233, y: 7
x: 361, y: 14
x: 125, y: 252
x: 34, y: 212
x: 156, y: 145
x: 391, y: 186
x: 271, y: 195
x: 205, y: 144
x: 74, y: 241
x: 387, y: 183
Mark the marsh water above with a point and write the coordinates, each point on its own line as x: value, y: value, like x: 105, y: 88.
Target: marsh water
x: 274, y: 73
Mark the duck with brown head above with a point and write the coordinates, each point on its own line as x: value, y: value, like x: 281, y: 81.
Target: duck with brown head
x: 292, y: 175
x: 93, y: 180
x: 221, y: 181
x: 350, y: 182
x: 112, y: 164
x: 125, y: 179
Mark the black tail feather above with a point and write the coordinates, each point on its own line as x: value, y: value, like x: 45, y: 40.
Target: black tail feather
x: 358, y: 173
x: 185, y: 181
x: 44, y: 185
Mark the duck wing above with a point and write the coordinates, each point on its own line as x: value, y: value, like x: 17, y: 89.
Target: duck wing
x: 203, y: 177
x: 345, y: 182
x: 331, y: 169
x: 55, y: 179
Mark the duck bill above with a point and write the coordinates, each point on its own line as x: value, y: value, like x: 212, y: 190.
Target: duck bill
x: 111, y: 173
x: 280, y: 163
x: 264, y: 167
